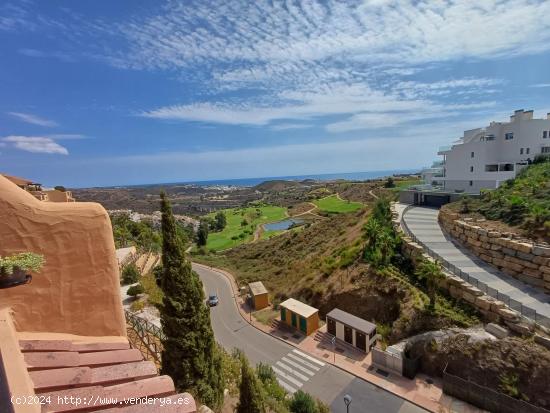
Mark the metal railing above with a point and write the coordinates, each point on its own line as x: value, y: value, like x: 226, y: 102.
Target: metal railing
x: 525, y: 311
x: 149, y: 335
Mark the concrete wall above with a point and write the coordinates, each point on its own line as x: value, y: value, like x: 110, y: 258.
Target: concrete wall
x: 78, y: 290
x: 522, y: 260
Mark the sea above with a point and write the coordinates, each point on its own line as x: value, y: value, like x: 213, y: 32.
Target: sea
x: 249, y: 182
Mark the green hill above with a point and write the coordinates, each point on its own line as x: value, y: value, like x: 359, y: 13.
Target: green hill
x: 523, y: 202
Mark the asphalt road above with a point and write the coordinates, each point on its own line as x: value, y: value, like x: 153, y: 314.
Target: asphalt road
x: 294, y: 369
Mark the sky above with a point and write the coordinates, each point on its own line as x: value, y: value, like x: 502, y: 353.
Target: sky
x: 98, y: 93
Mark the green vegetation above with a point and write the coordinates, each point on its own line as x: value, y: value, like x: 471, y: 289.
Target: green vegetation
x: 382, y: 240
x: 431, y: 273
x: 25, y: 261
x: 135, y: 290
x: 151, y: 288
x: 130, y: 274
x: 190, y: 354
x: 303, y: 403
x: 202, y: 234
x: 405, y: 183
x: 142, y: 234
x: 250, y: 394
x: 241, y: 224
x: 389, y: 183
x: 334, y: 205
x: 523, y: 201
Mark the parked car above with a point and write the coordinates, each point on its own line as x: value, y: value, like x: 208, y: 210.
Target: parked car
x: 213, y: 300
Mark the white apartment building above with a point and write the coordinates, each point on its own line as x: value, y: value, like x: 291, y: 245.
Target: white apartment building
x: 485, y: 157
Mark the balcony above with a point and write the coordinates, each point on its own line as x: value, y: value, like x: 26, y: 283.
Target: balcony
x: 443, y: 150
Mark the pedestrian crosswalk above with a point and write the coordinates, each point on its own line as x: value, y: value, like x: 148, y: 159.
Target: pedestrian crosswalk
x: 294, y: 369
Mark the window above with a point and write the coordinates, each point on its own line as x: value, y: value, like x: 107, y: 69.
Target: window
x: 491, y: 168
x: 527, y: 151
x: 471, y: 169
x: 489, y: 138
x: 507, y: 167
x: 471, y: 183
x: 471, y: 155
x: 544, y: 134
x: 509, y: 136
x: 545, y: 149
x: 521, y: 151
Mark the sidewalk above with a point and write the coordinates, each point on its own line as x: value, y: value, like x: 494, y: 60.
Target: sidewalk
x: 423, y: 391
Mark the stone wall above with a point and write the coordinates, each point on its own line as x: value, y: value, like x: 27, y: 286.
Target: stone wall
x: 492, y: 309
x: 523, y: 260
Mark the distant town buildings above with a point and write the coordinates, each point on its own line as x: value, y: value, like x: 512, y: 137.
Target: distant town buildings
x: 42, y: 194
x: 485, y: 157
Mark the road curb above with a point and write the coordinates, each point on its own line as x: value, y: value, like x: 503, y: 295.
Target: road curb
x: 233, y: 284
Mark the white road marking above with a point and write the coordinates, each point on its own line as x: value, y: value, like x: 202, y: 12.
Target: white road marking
x: 320, y: 363
x: 291, y: 370
x: 298, y: 366
x: 311, y: 366
x: 286, y: 386
x: 286, y: 376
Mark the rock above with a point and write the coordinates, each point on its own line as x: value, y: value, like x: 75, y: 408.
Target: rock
x: 519, y: 328
x: 543, y: 341
x: 532, y: 273
x: 469, y: 297
x: 525, y: 256
x: 540, y: 250
x: 496, y: 330
x: 494, y: 234
x: 523, y: 247
x: 508, y: 314
x: 497, y: 305
x: 508, y: 251
x: 483, y: 302
x: 541, y: 261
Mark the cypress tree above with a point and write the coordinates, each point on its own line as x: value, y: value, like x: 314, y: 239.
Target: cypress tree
x: 250, y: 398
x: 190, y: 355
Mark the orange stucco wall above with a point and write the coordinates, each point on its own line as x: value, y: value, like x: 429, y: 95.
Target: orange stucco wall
x: 78, y: 290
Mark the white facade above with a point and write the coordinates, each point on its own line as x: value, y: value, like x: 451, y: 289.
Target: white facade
x: 485, y: 157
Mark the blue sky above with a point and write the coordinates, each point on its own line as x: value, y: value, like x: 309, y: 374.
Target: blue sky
x: 127, y: 92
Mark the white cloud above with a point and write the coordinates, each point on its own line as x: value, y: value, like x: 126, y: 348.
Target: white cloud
x: 35, y: 144
x: 288, y: 126
x: 33, y: 119
x: 541, y: 85
x: 41, y: 54
x: 67, y: 136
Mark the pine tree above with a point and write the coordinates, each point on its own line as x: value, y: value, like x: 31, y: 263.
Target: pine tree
x: 190, y: 354
x: 250, y: 399
x: 202, y: 234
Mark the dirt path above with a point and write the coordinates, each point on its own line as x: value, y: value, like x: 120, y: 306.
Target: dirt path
x: 373, y: 195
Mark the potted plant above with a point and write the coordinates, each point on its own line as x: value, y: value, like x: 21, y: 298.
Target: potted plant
x: 13, y: 269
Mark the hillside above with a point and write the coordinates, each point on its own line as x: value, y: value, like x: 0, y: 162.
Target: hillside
x: 276, y: 185
x: 323, y: 266
x: 522, y: 205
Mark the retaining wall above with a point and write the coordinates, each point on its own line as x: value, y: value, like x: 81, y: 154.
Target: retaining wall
x: 525, y: 261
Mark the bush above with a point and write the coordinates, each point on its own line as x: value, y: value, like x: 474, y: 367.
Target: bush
x: 135, y: 290
x: 130, y: 274
x: 303, y: 403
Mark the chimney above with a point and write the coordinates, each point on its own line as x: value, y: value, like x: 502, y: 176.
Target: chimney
x: 528, y: 115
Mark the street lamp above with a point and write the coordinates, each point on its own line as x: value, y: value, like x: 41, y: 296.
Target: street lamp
x: 347, y: 400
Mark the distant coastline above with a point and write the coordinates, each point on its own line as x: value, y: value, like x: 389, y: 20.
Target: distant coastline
x: 249, y: 182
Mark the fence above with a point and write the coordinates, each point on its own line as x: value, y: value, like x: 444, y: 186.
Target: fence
x: 484, y: 397
x: 149, y: 336
x: 527, y: 312
x: 387, y: 360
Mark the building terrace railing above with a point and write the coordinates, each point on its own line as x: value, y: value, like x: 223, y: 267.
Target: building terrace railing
x: 524, y: 310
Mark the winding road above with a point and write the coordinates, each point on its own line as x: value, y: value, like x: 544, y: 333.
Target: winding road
x: 294, y: 369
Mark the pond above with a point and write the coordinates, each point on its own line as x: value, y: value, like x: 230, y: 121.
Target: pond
x: 282, y: 225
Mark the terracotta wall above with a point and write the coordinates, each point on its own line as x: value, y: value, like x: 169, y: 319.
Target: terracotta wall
x: 78, y: 290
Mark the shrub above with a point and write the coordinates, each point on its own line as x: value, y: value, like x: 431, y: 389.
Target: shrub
x: 130, y: 274
x: 26, y: 261
x: 135, y: 290
x: 303, y: 403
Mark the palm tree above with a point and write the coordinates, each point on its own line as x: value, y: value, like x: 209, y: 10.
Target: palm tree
x: 431, y: 272
x: 372, y: 230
